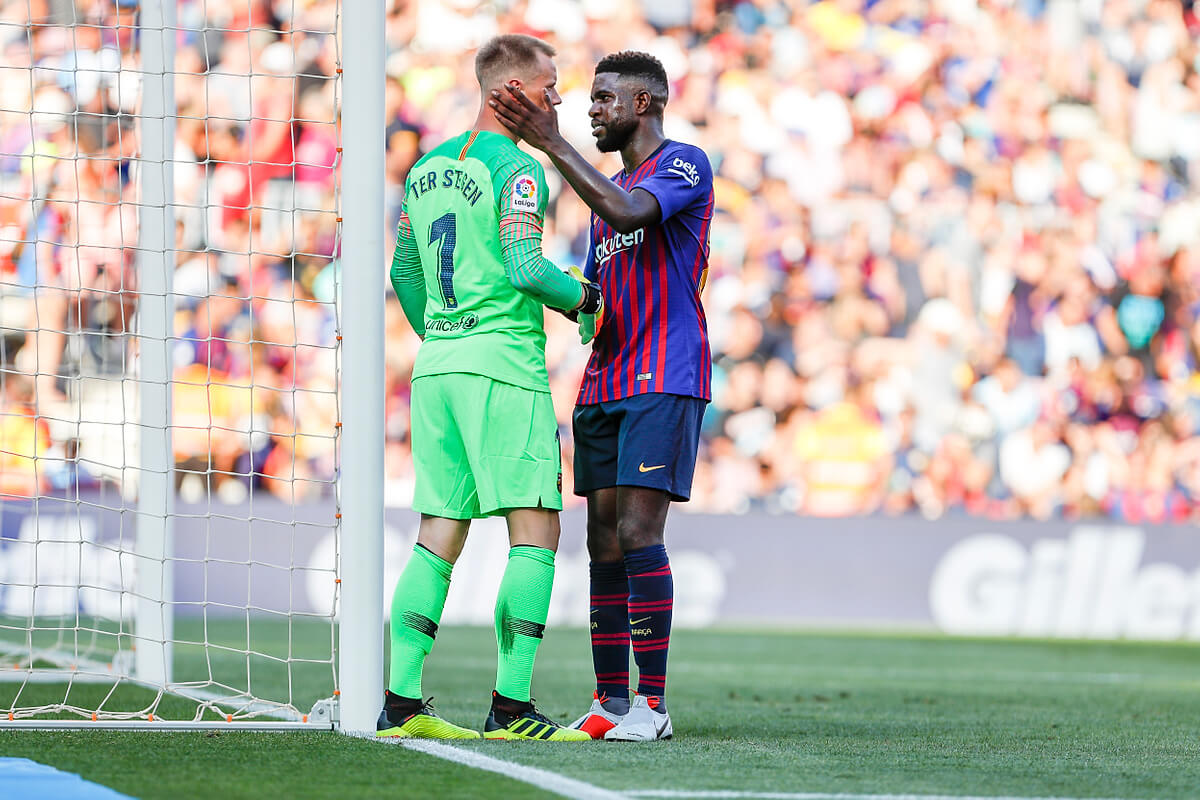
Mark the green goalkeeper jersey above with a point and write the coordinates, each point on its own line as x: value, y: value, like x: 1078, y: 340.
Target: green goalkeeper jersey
x: 468, y: 266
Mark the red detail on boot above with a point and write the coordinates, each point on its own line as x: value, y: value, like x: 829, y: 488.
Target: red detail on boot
x: 596, y: 726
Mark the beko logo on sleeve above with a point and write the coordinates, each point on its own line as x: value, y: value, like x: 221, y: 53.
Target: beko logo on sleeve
x: 685, y: 170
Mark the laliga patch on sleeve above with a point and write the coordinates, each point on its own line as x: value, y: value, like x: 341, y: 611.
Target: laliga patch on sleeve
x: 525, y: 194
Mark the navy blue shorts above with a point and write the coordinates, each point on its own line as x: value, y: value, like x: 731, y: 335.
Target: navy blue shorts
x: 646, y: 440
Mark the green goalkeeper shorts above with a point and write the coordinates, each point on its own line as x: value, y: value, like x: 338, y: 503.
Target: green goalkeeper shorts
x: 482, y: 447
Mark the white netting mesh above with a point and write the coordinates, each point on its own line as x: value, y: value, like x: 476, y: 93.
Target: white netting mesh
x: 254, y: 349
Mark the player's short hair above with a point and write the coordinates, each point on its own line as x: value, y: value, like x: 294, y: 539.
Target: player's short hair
x: 636, y: 64
x: 505, y: 53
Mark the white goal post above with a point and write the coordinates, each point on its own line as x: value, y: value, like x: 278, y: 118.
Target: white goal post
x: 192, y: 274
x: 362, y: 385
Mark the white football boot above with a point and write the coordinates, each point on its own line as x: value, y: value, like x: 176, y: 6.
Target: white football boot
x: 598, y: 720
x: 643, y: 723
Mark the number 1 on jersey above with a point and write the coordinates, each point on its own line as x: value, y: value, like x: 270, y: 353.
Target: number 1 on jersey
x: 444, y: 228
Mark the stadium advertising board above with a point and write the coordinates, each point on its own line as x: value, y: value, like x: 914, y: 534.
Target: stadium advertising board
x: 964, y: 576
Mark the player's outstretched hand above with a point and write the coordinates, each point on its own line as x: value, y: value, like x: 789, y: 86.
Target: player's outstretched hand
x: 534, y: 124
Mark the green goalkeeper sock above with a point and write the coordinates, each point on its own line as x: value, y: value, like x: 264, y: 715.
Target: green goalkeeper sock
x: 417, y: 607
x: 522, y: 605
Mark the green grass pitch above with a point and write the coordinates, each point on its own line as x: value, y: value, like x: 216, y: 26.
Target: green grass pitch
x: 753, y: 711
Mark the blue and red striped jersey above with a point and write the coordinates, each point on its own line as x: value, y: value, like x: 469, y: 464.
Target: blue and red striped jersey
x: 654, y: 336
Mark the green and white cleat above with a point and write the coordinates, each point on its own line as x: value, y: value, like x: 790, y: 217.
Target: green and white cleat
x: 403, y: 718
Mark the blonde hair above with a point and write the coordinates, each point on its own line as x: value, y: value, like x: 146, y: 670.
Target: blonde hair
x: 508, y: 53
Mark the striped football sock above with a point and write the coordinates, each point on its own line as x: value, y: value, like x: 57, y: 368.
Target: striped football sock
x: 610, y: 628
x: 651, y: 597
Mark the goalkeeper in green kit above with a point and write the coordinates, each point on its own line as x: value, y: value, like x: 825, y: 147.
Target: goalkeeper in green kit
x: 470, y: 275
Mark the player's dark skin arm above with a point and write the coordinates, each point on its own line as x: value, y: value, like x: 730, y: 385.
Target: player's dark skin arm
x: 624, y: 211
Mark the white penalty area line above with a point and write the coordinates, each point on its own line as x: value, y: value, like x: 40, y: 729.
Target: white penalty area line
x: 542, y: 779
x: 721, y: 795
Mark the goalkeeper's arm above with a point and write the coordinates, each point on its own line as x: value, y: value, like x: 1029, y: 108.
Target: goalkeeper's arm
x: 407, y: 279
x: 532, y: 274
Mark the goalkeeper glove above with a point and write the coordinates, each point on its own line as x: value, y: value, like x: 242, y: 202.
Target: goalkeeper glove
x: 590, y: 311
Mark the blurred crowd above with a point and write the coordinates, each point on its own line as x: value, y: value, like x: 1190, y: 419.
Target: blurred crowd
x: 956, y: 255
x: 254, y: 170
x: 955, y: 259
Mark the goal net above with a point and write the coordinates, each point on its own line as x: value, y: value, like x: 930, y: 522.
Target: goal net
x: 170, y: 361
